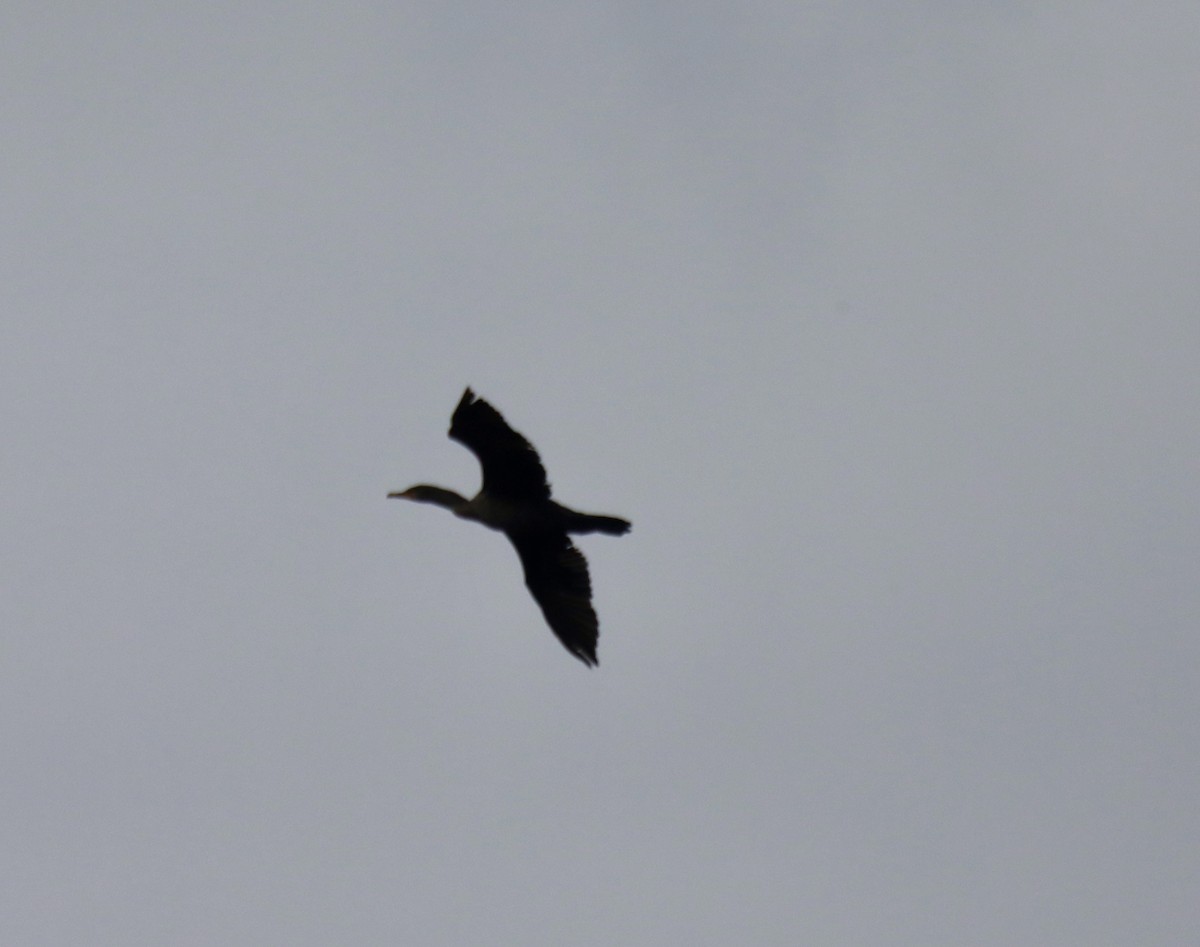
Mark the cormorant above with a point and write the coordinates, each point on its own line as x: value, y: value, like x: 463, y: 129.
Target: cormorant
x: 515, y: 499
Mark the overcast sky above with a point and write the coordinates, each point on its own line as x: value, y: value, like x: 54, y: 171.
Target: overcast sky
x: 882, y: 324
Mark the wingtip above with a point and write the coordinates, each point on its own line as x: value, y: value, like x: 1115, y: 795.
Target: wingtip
x: 467, y: 400
x: 586, y: 654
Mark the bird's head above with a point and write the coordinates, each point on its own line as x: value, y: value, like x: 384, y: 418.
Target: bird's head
x: 424, y: 493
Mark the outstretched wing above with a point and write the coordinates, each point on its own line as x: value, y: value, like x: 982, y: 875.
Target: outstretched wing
x: 557, y: 575
x: 511, y: 467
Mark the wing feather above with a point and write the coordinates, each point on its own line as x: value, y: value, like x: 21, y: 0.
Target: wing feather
x: 512, y: 469
x: 557, y: 576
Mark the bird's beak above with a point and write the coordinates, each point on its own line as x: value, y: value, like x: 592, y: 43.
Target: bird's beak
x: 399, y: 494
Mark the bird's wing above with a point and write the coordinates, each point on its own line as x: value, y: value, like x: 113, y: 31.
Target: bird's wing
x: 557, y: 575
x: 511, y: 467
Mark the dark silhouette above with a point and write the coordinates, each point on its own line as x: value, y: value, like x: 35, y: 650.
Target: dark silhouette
x: 515, y: 499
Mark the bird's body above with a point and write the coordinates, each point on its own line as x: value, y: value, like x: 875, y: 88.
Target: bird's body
x: 515, y: 499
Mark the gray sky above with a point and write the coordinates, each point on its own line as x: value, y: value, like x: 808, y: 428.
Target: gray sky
x: 880, y: 322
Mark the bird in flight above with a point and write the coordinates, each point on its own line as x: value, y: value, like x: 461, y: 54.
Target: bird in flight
x: 515, y: 499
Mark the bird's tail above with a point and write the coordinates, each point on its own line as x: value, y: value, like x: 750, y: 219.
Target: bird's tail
x: 594, y: 523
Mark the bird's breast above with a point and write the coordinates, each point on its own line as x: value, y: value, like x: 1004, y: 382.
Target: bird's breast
x: 496, y: 513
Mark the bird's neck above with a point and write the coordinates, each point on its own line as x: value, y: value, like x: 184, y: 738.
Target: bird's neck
x: 438, y: 496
